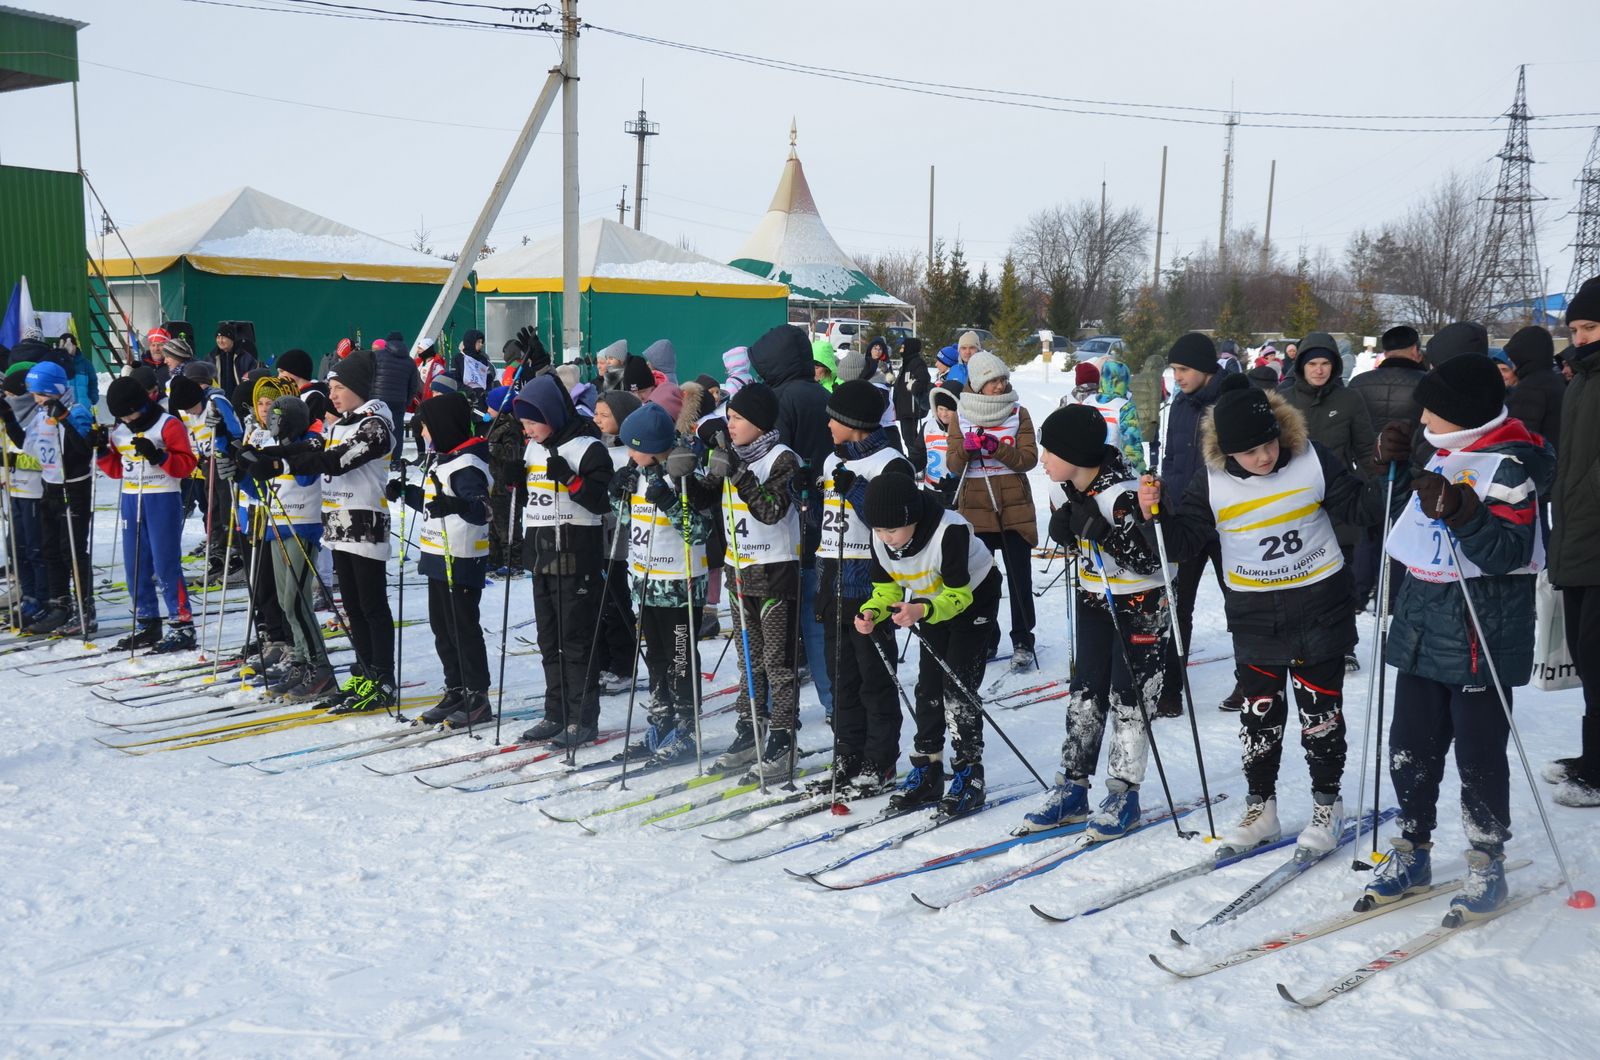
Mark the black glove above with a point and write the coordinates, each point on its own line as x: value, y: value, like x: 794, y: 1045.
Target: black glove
x: 661, y: 495
x: 724, y: 463
x: 558, y: 469
x: 393, y: 489
x: 843, y: 480
x: 442, y: 506
x: 622, y: 482
x: 1442, y: 499
x: 99, y: 437
x: 149, y: 450
x: 55, y: 410
x: 1061, y: 527
x: 1086, y: 521
x: 1394, y: 444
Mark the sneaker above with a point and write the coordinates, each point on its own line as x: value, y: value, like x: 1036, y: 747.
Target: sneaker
x: 316, y: 681
x: 1407, y: 870
x: 1559, y: 770
x: 710, y: 625
x: 354, y: 687
x: 923, y: 785
x: 1352, y: 664
x: 1257, y: 826
x: 1170, y: 705
x: 543, y: 729
x: 287, y: 679
x: 474, y: 709
x: 1233, y: 703
x: 148, y: 635
x: 777, y: 759
x: 273, y: 653
x: 52, y: 619
x: 87, y: 628
x: 379, y: 695
x: 966, y: 790
x: 1484, y: 890
x: 1067, y: 803
x: 655, y: 735
x: 1321, y: 836
x: 576, y: 736
x: 1577, y: 792
x: 871, y: 780
x: 1118, y: 812
x: 741, y: 752
x: 1023, y: 660
x: 180, y: 637
x: 441, y: 710
x: 676, y: 746
x: 611, y: 683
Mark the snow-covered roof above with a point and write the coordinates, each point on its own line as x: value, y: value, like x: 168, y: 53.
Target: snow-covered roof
x: 613, y: 258
x: 791, y: 245
x: 250, y: 233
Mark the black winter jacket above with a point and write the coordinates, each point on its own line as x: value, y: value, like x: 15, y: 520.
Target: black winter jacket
x: 1338, y: 421
x: 782, y: 357
x: 1536, y: 399
x: 395, y: 382
x: 1178, y: 454
x: 1390, y: 393
x: 1574, y: 557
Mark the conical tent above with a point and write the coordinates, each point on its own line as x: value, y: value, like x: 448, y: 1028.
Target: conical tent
x: 791, y: 245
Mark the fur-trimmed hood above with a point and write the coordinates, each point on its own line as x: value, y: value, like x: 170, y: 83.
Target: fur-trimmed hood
x: 688, y: 416
x: 1292, y: 434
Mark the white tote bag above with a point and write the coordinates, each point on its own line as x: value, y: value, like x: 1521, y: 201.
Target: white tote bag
x: 1553, y: 669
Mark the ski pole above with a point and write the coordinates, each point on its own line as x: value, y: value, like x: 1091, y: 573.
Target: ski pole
x: 1575, y: 898
x: 972, y: 697
x: 133, y: 584
x: 205, y: 599
x: 72, y: 544
x: 400, y: 580
x: 15, y: 611
x: 838, y: 633
x: 505, y: 622
x: 227, y: 561
x: 561, y: 630
x: 449, y: 574
x: 1137, y: 688
x: 691, y: 664
x: 638, y: 625
x: 1072, y: 616
x: 1376, y: 682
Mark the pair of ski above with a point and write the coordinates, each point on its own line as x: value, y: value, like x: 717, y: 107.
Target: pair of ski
x: 413, y: 735
x: 250, y: 727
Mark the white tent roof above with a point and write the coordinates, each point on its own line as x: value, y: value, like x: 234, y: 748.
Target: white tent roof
x: 615, y: 258
x: 248, y: 232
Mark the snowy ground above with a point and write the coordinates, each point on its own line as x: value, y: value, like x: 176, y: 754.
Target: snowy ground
x: 165, y: 905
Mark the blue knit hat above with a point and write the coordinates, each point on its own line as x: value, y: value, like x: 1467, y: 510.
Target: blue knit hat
x: 948, y: 356
x: 649, y: 430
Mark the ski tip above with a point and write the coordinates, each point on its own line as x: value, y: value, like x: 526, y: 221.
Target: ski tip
x: 1159, y: 963
x: 222, y: 762
x: 1179, y: 939
x: 725, y: 857
x: 924, y: 902
x: 425, y: 783
x: 806, y: 876
x: 1283, y: 992
x: 263, y: 769
x: 1042, y: 915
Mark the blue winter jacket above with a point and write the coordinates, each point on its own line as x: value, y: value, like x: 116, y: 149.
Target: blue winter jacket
x: 1181, y: 454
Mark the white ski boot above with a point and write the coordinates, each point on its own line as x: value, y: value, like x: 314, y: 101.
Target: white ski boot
x: 1258, y: 826
x: 1327, y: 821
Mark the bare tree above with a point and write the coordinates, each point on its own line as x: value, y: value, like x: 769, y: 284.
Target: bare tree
x: 1442, y: 267
x: 1074, y: 253
x: 897, y: 271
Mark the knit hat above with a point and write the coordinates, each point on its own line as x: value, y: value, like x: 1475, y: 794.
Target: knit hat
x: 636, y: 373
x: 1227, y: 346
x: 288, y: 418
x: 1194, y: 350
x: 1318, y: 344
x: 1243, y: 416
x: 443, y: 383
x: 296, y: 362
x: 145, y: 376
x: 1532, y: 345
x: 968, y: 338
x: 1466, y: 390
x: 948, y: 356
x: 155, y: 335
x: 202, y: 372
x: 342, y: 350
x: 355, y: 373
x: 1086, y: 374
x: 648, y: 429
x: 893, y: 501
x: 1076, y: 434
x: 448, y: 418
x: 227, y: 330
x: 499, y: 399
x: 176, y: 347
x: 857, y: 403
x: 1453, y: 340
x: 854, y: 365
x: 706, y: 381
x: 670, y: 397
x: 184, y: 393
x: 621, y: 403
x: 759, y: 404
x: 736, y: 362
x: 984, y: 368
x: 1402, y: 337
x: 125, y: 396
x: 947, y: 394
x: 1585, y: 305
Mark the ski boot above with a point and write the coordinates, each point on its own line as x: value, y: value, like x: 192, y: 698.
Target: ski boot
x: 87, y: 628
x: 288, y: 678
x: 1577, y: 791
x: 1257, y: 827
x: 1352, y: 664
x: 1407, y: 870
x: 846, y: 765
x: 677, y: 746
x: 1559, y: 770
x: 741, y: 752
x: 966, y: 789
x: 710, y: 624
x: 354, y: 687
x: 1118, y: 812
x: 872, y: 779
x: 1023, y: 659
x: 1170, y: 705
x: 51, y: 619
x: 546, y: 728
x: 1321, y: 835
x: 378, y: 695
x: 1483, y: 892
x: 272, y: 653
x: 1067, y: 803
x: 315, y: 681
x: 1233, y: 702
x: 575, y: 735
x: 180, y: 637
x: 923, y: 785
x: 441, y: 710
x: 660, y: 727
x: 147, y: 635
x: 778, y: 756
x: 474, y: 709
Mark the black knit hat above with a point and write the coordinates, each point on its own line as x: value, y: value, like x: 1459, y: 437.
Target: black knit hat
x: 125, y: 396
x: 856, y: 403
x: 1318, y: 344
x: 1243, y: 417
x: 636, y: 373
x: 1076, y: 434
x: 1532, y: 345
x: 355, y: 373
x: 757, y: 403
x: 297, y: 363
x: 184, y: 393
x: 1453, y: 340
x: 893, y: 501
x: 1466, y: 390
x: 1400, y: 338
x: 1585, y: 305
x: 947, y: 393
x: 1196, y: 351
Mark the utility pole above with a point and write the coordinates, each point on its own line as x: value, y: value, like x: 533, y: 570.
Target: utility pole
x: 1161, y: 217
x: 622, y: 207
x: 1227, y: 195
x: 1586, y: 244
x: 1513, y: 273
x: 1266, y: 239
x: 571, y: 334
x: 640, y: 129
x: 930, y: 217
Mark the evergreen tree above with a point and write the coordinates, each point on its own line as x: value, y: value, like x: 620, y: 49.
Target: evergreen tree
x: 941, y: 318
x: 1233, y: 318
x: 1061, y: 308
x: 1304, y: 312
x: 985, y: 301
x: 960, y: 280
x: 1365, y: 319
x: 1175, y: 309
x: 1146, y: 333
x: 1113, y: 322
x: 1013, y: 321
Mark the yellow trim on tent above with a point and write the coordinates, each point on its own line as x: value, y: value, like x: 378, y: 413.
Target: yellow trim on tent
x: 611, y: 285
x: 309, y: 270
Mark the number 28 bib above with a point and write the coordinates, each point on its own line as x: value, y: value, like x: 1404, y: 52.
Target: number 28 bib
x: 1273, y: 530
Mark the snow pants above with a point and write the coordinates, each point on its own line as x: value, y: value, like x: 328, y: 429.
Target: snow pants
x: 1017, y: 555
x: 941, y: 705
x: 296, y: 589
x: 1581, y: 607
x: 152, y: 546
x: 673, y: 657
x: 1104, y: 685
x: 64, y: 546
x: 364, y: 590
x: 1319, y: 697
x: 1186, y: 586
x: 769, y: 663
x: 866, y: 708
x: 618, y: 635
x: 30, y: 556
x: 1428, y: 718
x: 458, y: 635
x: 566, y: 608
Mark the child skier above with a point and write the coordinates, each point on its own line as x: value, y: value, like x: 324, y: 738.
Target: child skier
x: 25, y: 485
x: 930, y: 573
x: 149, y: 451
x: 936, y: 439
x: 763, y: 559
x: 1270, y: 497
x: 1481, y: 488
x: 667, y: 559
x: 616, y: 646
x: 216, y: 434
x: 60, y: 436
x: 251, y: 540
x: 866, y: 714
x: 568, y: 477
x: 1119, y: 654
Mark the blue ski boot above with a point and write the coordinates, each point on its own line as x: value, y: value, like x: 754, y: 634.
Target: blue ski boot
x: 676, y: 746
x: 1484, y: 891
x: 1067, y: 803
x: 923, y: 785
x: 1118, y: 812
x: 966, y: 792
x: 1407, y: 870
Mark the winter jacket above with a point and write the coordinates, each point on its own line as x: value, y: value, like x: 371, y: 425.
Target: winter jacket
x: 1300, y: 624
x: 1389, y: 391
x: 468, y: 485
x: 1179, y: 450
x: 232, y: 366
x: 506, y: 445
x: 1124, y: 544
x: 1338, y: 421
x: 996, y: 503
x: 1115, y: 382
x: 1431, y: 634
x: 857, y: 584
x: 912, y: 381
x: 1536, y: 399
x: 782, y: 358
x: 469, y: 348
x: 664, y: 592
x: 1575, y: 531
x: 576, y: 549
x: 822, y: 353
x: 396, y: 383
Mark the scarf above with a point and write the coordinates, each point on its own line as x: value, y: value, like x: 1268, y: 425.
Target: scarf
x: 758, y: 448
x: 878, y: 439
x: 988, y: 410
x: 1461, y: 439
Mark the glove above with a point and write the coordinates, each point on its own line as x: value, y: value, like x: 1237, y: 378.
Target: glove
x: 1394, y: 444
x: 973, y: 441
x: 622, y: 482
x: 724, y: 463
x: 149, y: 450
x: 843, y: 480
x: 55, y: 410
x: 225, y: 466
x: 442, y: 506
x: 681, y: 462
x: 100, y: 438
x: 661, y: 495
x: 258, y: 465
x: 1442, y: 499
x: 558, y: 469
x: 1085, y: 519
x: 393, y: 489
x: 989, y: 444
x: 212, y: 417
x: 1061, y: 526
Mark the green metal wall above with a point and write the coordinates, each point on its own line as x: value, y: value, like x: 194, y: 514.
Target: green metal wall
x: 41, y: 237
x: 37, y: 51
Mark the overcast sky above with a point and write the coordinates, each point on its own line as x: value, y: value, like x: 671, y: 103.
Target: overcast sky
x: 455, y: 97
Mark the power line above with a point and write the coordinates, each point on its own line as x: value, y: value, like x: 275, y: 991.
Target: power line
x: 544, y: 27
